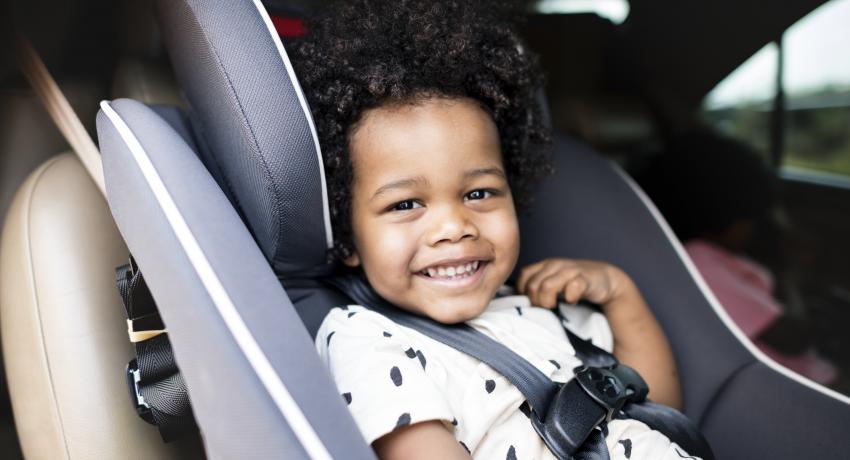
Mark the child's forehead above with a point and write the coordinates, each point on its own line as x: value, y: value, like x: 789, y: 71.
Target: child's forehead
x: 441, y: 137
x: 431, y: 110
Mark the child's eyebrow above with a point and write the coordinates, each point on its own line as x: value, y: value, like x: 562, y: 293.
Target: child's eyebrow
x: 401, y: 183
x: 471, y: 174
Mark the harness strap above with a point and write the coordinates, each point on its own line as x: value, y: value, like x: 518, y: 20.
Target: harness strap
x: 156, y: 386
x: 672, y: 423
x: 536, y: 387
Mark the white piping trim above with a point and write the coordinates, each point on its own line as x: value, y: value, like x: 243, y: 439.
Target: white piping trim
x: 715, y: 304
x: 329, y: 239
x: 250, y: 348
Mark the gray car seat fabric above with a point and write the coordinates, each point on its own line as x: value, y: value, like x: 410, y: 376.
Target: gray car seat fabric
x: 589, y: 210
x: 257, y: 386
x: 249, y: 109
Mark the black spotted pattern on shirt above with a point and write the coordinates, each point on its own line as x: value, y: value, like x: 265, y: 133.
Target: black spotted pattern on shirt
x: 627, y: 447
x: 352, y: 314
x: 454, y: 421
x: 403, y: 420
x: 395, y: 375
x: 490, y: 385
x: 464, y: 447
x: 525, y: 408
x: 555, y: 363
x: 347, y: 398
x: 410, y: 352
x: 387, y: 334
x: 511, y: 453
x: 328, y: 339
x: 519, y: 310
x: 421, y: 357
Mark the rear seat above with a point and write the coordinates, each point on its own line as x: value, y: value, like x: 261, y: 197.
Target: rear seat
x: 63, y: 329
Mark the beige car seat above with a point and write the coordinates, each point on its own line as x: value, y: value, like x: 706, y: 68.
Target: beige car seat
x: 62, y: 325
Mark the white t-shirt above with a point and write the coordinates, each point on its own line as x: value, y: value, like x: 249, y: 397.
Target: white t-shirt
x: 392, y: 376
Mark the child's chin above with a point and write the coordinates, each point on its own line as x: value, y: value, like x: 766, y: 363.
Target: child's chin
x: 454, y: 312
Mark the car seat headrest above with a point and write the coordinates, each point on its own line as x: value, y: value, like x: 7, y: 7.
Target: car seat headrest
x: 255, y: 124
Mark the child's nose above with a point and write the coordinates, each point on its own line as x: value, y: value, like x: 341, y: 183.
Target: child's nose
x: 451, y: 224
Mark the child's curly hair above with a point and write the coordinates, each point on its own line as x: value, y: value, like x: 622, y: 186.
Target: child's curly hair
x: 367, y: 53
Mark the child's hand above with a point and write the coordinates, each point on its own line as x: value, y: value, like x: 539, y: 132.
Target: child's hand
x: 594, y: 281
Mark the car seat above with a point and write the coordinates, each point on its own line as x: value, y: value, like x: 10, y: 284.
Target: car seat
x: 226, y: 213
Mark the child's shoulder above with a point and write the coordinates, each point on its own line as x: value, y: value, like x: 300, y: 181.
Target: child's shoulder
x: 356, y: 323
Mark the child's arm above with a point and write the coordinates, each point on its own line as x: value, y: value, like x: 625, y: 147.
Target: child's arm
x: 424, y: 440
x: 638, y: 339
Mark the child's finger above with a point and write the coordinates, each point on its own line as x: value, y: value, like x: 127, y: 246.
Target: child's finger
x: 533, y: 285
x: 575, y: 289
x: 547, y: 291
x: 526, y: 274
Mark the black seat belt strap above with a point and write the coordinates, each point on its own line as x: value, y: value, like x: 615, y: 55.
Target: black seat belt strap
x: 531, y: 382
x: 672, y: 423
x: 156, y: 387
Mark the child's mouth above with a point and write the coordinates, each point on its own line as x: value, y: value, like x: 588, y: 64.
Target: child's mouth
x: 453, y: 272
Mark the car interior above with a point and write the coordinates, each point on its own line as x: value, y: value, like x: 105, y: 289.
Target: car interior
x: 214, y: 184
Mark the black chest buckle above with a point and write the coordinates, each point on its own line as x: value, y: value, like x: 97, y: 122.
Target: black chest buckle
x: 594, y: 397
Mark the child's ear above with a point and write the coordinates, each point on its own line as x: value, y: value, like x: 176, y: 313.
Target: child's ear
x: 353, y: 260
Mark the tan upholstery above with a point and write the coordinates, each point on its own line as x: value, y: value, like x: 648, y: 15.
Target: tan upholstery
x: 63, y: 330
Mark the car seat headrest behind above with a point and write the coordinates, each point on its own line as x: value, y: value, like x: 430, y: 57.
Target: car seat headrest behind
x: 258, y: 135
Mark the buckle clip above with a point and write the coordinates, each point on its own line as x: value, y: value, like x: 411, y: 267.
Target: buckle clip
x: 592, y: 398
x: 133, y: 380
x: 612, y: 387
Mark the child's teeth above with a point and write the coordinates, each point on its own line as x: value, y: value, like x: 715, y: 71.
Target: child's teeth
x: 459, y: 271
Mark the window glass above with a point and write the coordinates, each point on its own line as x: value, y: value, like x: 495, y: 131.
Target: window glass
x: 740, y: 105
x: 816, y: 82
x: 817, y: 86
x: 614, y: 10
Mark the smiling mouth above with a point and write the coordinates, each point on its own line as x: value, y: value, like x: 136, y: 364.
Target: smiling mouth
x: 454, y: 272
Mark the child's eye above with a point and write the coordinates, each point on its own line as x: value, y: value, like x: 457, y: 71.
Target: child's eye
x: 479, y: 194
x: 406, y: 205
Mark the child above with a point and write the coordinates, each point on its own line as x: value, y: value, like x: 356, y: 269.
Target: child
x: 430, y: 133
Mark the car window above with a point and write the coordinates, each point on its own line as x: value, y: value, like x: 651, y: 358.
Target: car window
x: 614, y: 10
x: 790, y: 101
x: 816, y: 85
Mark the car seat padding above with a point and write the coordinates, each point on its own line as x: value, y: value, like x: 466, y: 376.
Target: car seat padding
x: 277, y: 395
x: 252, y: 115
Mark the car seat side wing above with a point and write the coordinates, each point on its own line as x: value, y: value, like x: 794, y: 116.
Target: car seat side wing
x: 257, y: 386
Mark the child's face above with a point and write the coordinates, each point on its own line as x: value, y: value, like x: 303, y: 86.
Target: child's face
x: 430, y: 199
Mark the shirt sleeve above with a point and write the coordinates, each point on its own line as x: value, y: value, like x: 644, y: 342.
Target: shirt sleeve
x: 382, y: 379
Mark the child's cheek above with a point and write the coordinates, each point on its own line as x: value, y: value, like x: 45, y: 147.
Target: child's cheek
x: 393, y: 250
x: 502, y: 230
